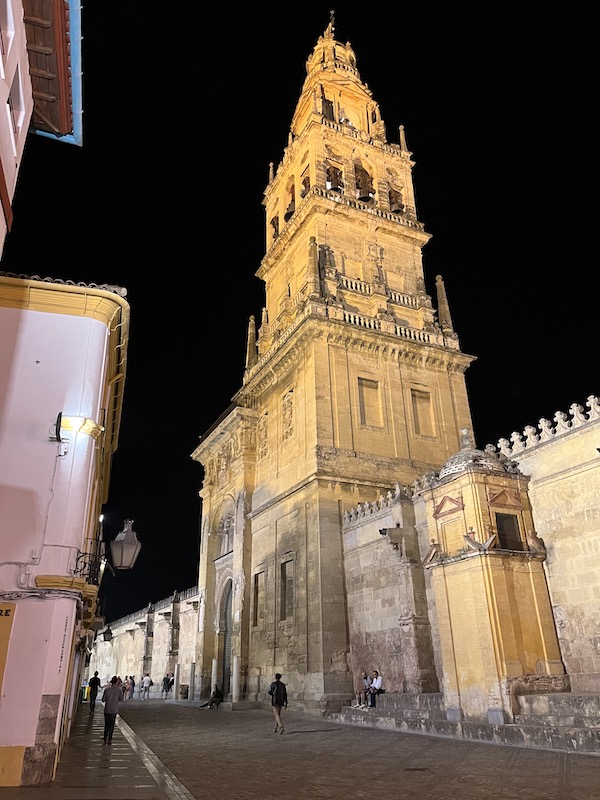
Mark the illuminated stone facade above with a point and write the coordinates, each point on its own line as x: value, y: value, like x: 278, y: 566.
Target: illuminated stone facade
x: 348, y: 521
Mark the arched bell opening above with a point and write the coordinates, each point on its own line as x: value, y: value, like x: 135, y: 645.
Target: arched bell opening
x: 334, y: 180
x: 305, y: 184
x: 364, y: 184
x: 396, y: 204
x: 291, y: 206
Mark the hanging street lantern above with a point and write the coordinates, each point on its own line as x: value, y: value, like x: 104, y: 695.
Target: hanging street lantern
x: 125, y: 548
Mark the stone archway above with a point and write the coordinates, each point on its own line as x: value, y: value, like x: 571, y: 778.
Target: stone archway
x: 225, y: 634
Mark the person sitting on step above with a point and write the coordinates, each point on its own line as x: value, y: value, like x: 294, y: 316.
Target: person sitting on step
x: 215, y: 700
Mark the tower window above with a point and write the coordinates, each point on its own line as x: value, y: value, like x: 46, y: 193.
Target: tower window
x: 396, y: 204
x: 328, y: 110
x: 364, y: 183
x: 422, y: 412
x: 369, y: 403
x: 509, y: 534
x: 334, y: 179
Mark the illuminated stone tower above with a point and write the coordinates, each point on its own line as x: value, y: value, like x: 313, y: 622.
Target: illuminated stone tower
x: 353, y: 383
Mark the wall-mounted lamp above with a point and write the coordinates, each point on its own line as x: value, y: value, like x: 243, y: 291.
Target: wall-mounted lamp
x: 107, y: 635
x: 125, y: 548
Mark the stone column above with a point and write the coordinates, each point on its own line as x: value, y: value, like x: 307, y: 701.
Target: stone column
x: 235, y: 680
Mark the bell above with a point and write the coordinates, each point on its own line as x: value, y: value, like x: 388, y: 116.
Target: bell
x: 290, y: 210
x: 397, y: 208
x: 364, y: 194
x: 334, y: 186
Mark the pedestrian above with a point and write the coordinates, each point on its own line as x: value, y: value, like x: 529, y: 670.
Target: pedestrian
x: 94, y: 685
x: 279, y: 701
x: 374, y: 689
x: 164, y: 689
x: 361, y: 690
x: 215, y: 699
x: 111, y: 698
x: 131, y: 686
x: 171, y: 683
x: 126, y: 687
x: 146, y: 684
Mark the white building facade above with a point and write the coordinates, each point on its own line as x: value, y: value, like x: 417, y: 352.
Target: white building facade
x: 62, y: 369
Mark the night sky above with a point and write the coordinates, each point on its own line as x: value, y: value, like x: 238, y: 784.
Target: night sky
x: 165, y: 199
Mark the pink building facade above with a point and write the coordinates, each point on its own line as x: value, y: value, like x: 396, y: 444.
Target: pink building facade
x: 62, y: 371
x: 16, y: 97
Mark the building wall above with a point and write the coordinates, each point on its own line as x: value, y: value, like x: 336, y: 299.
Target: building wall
x: 132, y: 651
x: 355, y: 384
x: 562, y: 461
x: 57, y: 363
x: 16, y: 102
x: 393, y: 622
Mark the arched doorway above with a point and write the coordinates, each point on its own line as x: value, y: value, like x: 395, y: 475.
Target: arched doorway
x: 226, y: 627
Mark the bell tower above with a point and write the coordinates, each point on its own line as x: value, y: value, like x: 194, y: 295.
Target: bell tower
x: 353, y: 383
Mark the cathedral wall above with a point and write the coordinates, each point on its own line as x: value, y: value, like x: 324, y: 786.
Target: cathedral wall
x: 564, y: 470
x: 359, y: 251
x: 379, y: 405
x: 298, y: 610
x: 373, y: 605
x: 188, y: 633
x: 387, y: 618
x: 286, y: 431
x: 131, y: 652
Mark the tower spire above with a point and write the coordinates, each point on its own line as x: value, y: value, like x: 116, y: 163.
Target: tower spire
x: 444, y: 317
x: 251, y: 355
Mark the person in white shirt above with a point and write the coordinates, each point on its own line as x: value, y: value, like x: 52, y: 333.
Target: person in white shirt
x: 374, y: 689
x: 146, y: 684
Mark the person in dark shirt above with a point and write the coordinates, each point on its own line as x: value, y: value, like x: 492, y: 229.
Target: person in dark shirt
x: 215, y: 699
x: 279, y: 701
x: 111, y: 698
x: 94, y: 685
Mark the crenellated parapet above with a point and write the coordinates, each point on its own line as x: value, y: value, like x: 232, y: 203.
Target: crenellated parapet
x: 364, y: 510
x: 548, y: 430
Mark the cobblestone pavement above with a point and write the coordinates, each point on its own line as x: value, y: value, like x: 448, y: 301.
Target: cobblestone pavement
x: 235, y: 755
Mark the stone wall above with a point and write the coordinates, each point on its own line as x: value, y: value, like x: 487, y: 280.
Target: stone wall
x: 391, y: 619
x: 149, y: 641
x: 562, y: 460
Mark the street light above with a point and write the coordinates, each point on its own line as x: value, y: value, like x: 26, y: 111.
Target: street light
x: 125, y: 548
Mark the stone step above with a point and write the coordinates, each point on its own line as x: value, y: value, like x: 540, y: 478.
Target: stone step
x: 564, y: 705
x: 561, y: 721
x: 572, y: 739
x: 428, y: 705
x: 557, y: 722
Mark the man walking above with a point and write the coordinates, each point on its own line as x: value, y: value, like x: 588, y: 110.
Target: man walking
x: 94, y: 685
x: 111, y: 698
x: 278, y: 692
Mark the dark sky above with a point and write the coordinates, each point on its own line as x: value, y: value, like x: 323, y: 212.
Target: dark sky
x: 164, y: 198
